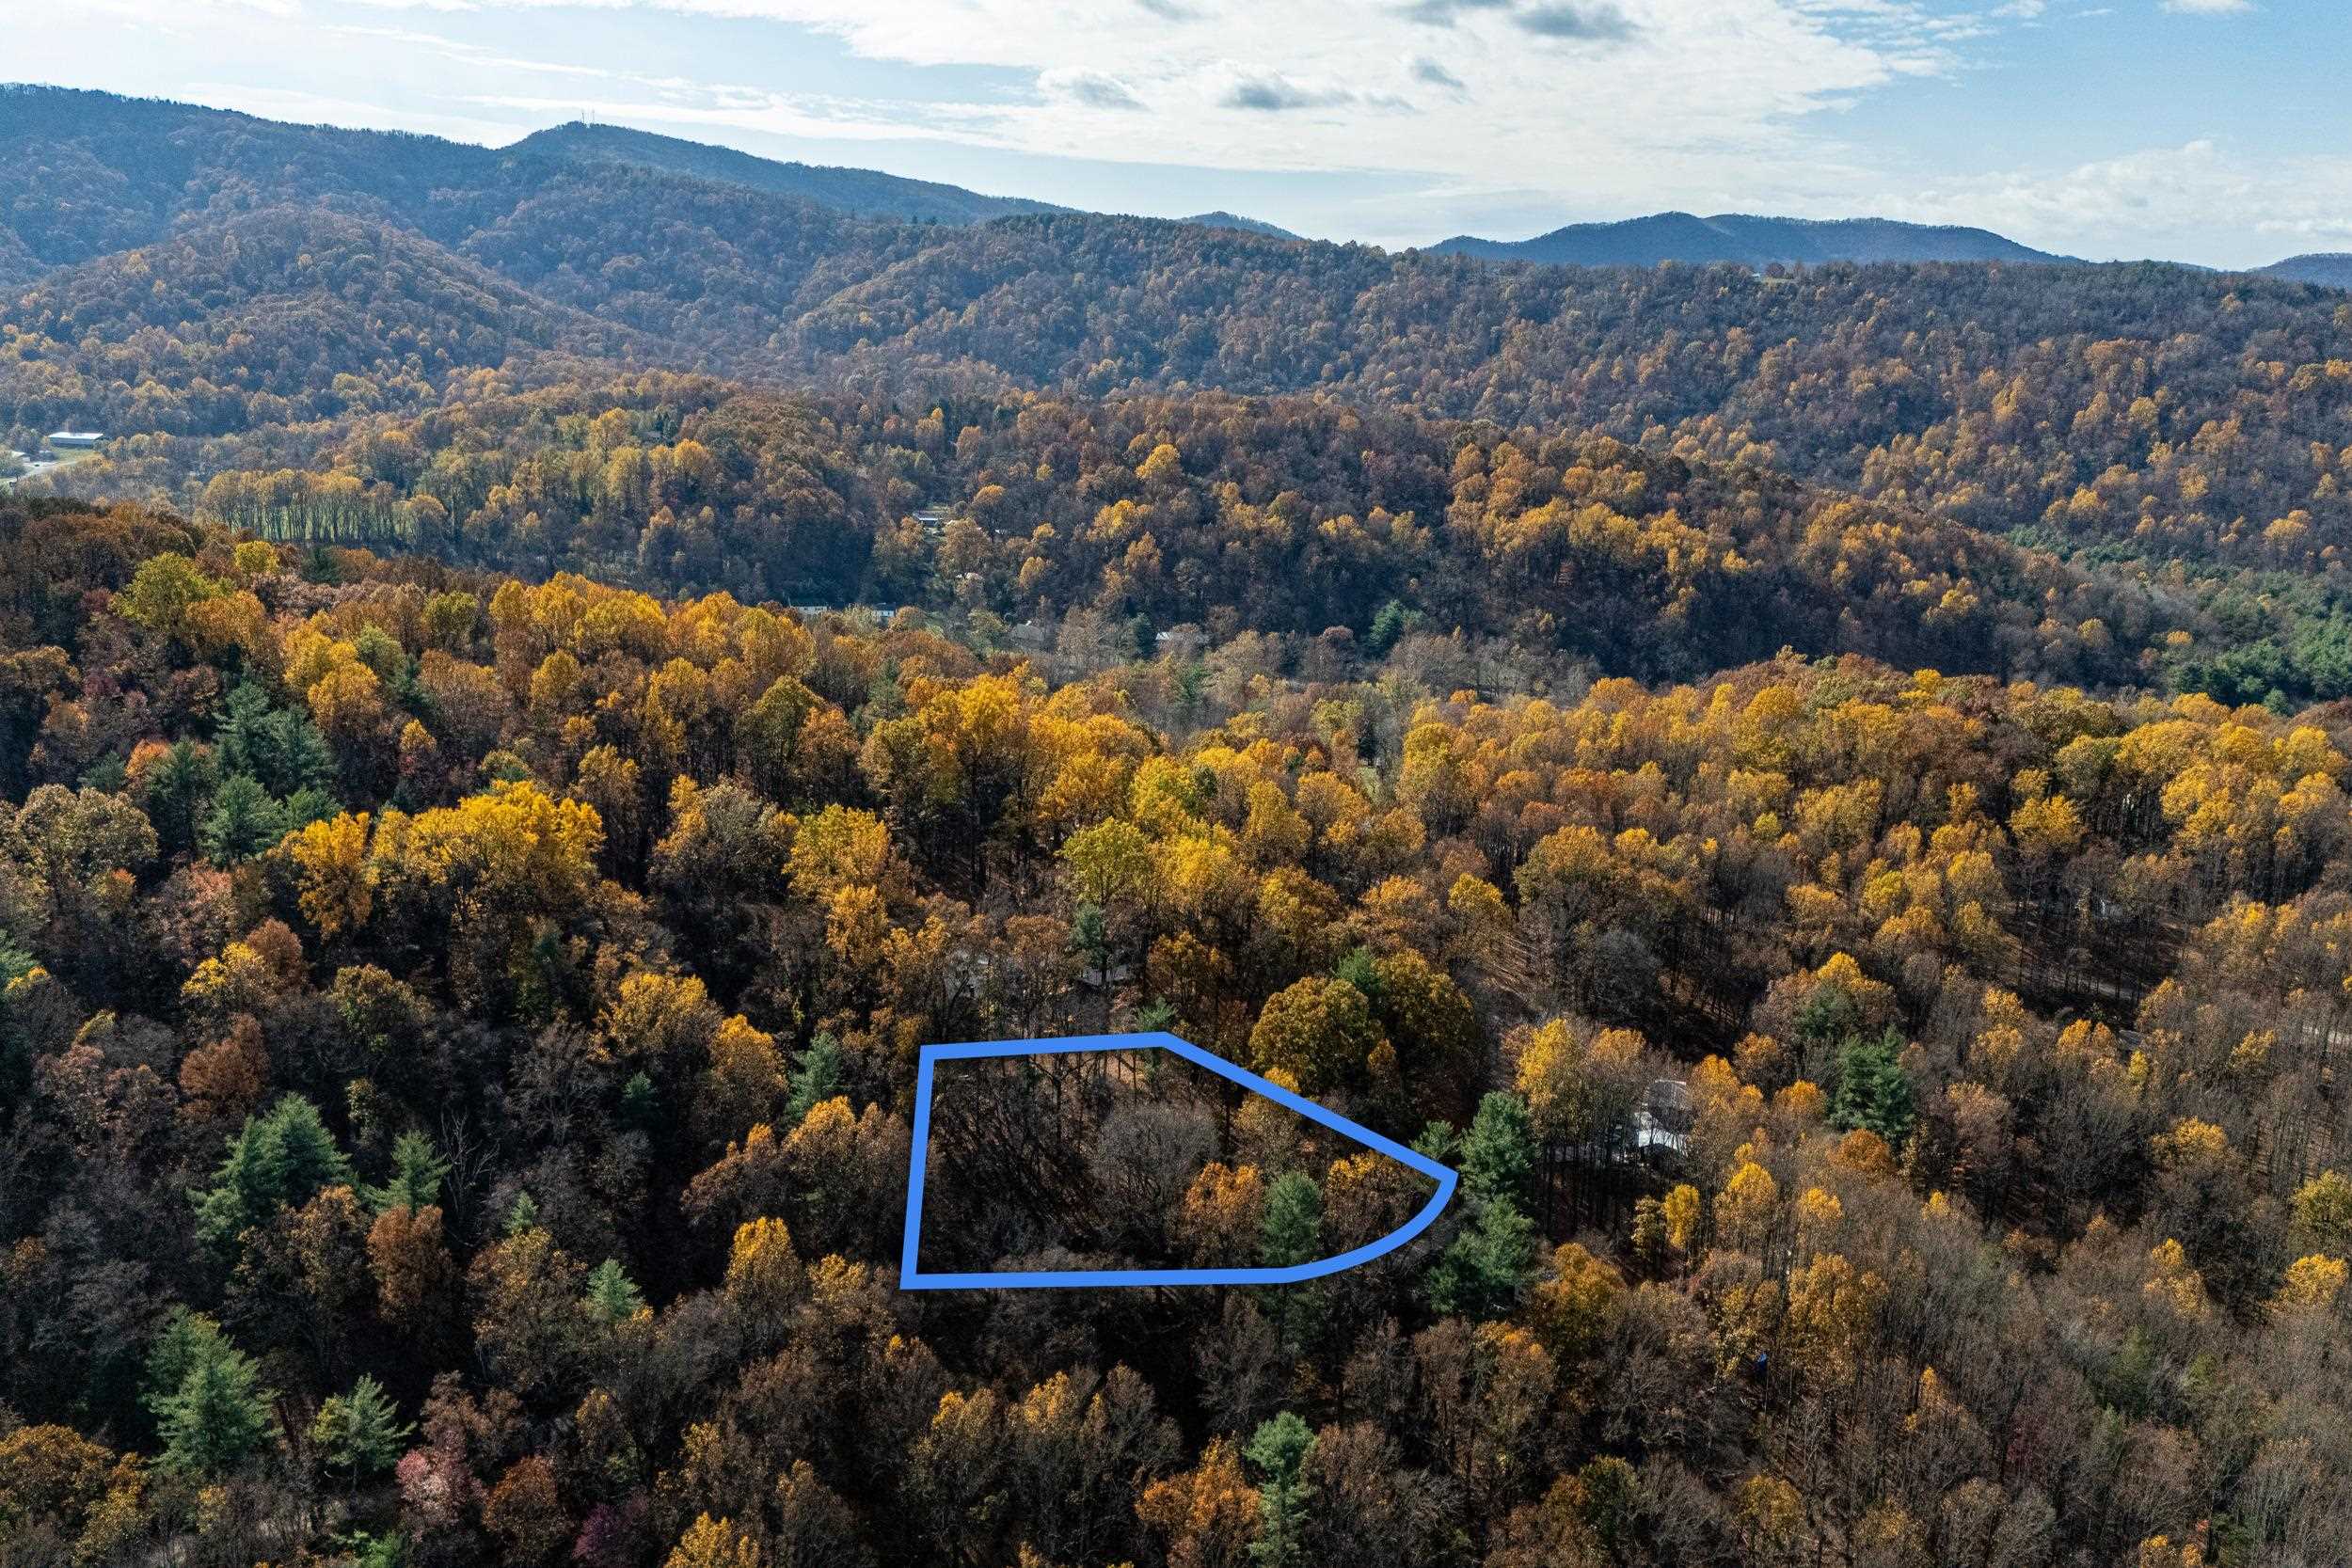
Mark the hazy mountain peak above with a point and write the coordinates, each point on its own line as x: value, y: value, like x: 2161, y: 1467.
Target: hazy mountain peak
x: 868, y: 193
x: 2330, y: 268
x: 1223, y: 219
x: 1747, y: 240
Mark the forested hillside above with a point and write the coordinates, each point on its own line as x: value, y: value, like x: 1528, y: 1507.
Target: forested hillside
x: 2331, y: 268
x: 2186, y: 425
x: 281, y: 317
x: 856, y: 191
x: 458, y: 1035
x: 2166, y: 410
x: 1821, y: 793
x: 1209, y: 513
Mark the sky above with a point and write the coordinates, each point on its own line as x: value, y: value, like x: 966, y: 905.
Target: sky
x: 2210, y: 130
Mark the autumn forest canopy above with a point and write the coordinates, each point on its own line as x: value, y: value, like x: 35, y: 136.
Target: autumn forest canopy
x: 1821, y: 793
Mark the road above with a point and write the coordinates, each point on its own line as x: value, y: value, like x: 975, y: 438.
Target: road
x: 35, y: 469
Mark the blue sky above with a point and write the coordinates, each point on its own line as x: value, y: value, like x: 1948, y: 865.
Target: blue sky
x: 2212, y: 131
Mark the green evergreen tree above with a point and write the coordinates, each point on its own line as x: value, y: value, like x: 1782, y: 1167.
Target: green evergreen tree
x: 1438, y: 1142
x: 417, y: 1172
x: 388, y: 1550
x: 304, y: 761
x: 641, y: 1105
x: 1291, y: 1233
x: 612, y: 1296
x: 1280, y: 1450
x: 237, y: 738
x: 1498, y: 1153
x: 279, y: 748
x: 360, y: 1434
x: 279, y: 1159
x: 1091, y: 937
x: 522, y: 1215
x: 308, y: 804
x: 1873, y: 1091
x: 816, y: 1077
x: 217, y: 1417
x: 1828, y: 1014
x: 16, y: 1043
x: 242, y: 822
x: 1190, y: 686
x: 186, y: 1338
x: 1291, y: 1229
x: 1483, y: 1272
x: 177, y: 786
x: 1392, y: 622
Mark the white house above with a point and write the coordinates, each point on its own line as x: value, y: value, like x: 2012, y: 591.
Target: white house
x: 76, y: 438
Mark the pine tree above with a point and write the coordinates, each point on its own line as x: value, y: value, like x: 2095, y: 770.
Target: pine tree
x: 612, y: 1296
x: 281, y: 750
x: 242, y: 823
x: 305, y: 760
x: 1291, y: 1233
x: 1091, y: 937
x: 1280, y: 1448
x: 1873, y: 1091
x: 522, y: 1215
x: 1483, y: 1273
x: 1498, y: 1153
x: 389, y: 1549
x: 1360, y: 970
x: 417, y: 1172
x: 360, y: 1434
x: 1392, y: 622
x: 187, y: 1339
x: 217, y: 1417
x: 279, y: 1159
x: 176, y: 787
x: 1292, y: 1229
x: 641, y: 1105
x: 308, y: 804
x: 816, y: 1077
x: 1828, y: 1014
x: 236, y: 737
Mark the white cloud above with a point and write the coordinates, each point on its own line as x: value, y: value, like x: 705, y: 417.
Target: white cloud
x: 2164, y: 201
x: 2208, y: 8
x: 1094, y: 89
x: 1428, y: 70
x: 1611, y: 100
x: 1434, y: 117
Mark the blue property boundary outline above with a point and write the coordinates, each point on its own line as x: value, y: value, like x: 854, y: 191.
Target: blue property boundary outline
x: 912, y: 1277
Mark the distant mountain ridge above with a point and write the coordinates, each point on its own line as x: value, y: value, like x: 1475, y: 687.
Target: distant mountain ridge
x: 200, y: 276
x: 85, y: 174
x: 1747, y: 240
x: 2331, y: 269
x: 863, y: 192
x: 1222, y: 219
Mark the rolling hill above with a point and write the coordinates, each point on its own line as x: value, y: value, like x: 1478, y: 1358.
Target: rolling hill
x: 1222, y: 219
x: 2064, y: 403
x: 288, y: 314
x: 863, y: 192
x: 88, y: 174
x: 2329, y: 269
x: 1746, y: 240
